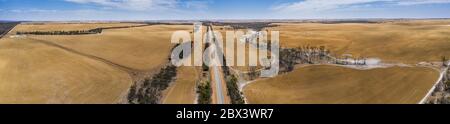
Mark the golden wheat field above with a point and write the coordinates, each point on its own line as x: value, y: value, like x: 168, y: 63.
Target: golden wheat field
x: 32, y: 72
x: 80, y: 68
x: 77, y: 68
x: 183, y: 90
x: 142, y: 48
x: 398, y: 41
x: 407, y: 42
x: 333, y: 84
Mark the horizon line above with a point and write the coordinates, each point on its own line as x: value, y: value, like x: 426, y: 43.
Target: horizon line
x: 147, y: 20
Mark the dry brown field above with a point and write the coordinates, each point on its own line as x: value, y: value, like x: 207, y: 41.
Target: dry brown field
x: 36, y: 72
x: 400, y: 41
x: 32, y: 72
x: 142, y: 48
x: 183, y: 90
x: 333, y: 84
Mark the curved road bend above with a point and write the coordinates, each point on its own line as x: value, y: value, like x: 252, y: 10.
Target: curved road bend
x: 441, y: 76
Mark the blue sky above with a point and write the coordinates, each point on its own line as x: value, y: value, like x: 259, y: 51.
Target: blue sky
x: 57, y: 10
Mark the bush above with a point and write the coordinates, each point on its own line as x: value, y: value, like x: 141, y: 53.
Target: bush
x: 204, y: 91
x: 233, y: 90
x: 447, y: 83
x: 150, y: 91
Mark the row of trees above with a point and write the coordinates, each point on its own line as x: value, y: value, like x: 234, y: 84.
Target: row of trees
x: 204, y: 89
x: 441, y: 93
x: 255, y: 26
x: 312, y: 54
x: 289, y: 57
x: 444, y: 61
x: 149, y: 92
x: 233, y: 90
x: 77, y: 32
x: 231, y: 82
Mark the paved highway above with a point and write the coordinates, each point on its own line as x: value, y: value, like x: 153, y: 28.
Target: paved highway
x: 217, y: 74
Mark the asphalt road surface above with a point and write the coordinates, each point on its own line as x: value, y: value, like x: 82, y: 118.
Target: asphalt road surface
x: 217, y: 73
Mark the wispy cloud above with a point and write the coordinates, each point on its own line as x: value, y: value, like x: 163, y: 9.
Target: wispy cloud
x: 416, y: 2
x: 196, y: 4
x: 113, y: 10
x: 323, y: 5
x: 138, y: 5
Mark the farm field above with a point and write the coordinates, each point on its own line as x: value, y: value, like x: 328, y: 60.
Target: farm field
x: 141, y: 48
x: 85, y: 64
x: 248, y: 49
x: 408, y: 42
x: 182, y: 91
x: 333, y: 84
x: 67, y: 26
x: 32, y: 72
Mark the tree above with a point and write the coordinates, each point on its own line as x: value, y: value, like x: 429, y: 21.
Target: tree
x: 233, y: 90
x: 252, y: 72
x: 444, y: 61
x: 204, y: 91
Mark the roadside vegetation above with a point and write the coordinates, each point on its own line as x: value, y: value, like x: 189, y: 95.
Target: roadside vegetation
x: 149, y: 92
x: 204, y: 89
x: 204, y: 93
x: 441, y: 93
x: 233, y: 90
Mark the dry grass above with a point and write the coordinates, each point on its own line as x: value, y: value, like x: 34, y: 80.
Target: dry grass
x: 182, y: 91
x: 407, y: 42
x: 143, y: 48
x: 248, y: 49
x: 31, y: 72
x: 332, y: 84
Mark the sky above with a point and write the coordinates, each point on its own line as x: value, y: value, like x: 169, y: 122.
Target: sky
x: 71, y: 10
